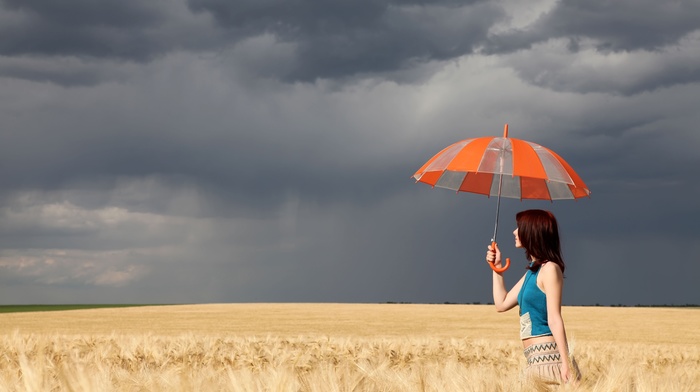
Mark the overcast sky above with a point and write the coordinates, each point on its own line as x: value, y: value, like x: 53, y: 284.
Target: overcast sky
x: 199, y: 151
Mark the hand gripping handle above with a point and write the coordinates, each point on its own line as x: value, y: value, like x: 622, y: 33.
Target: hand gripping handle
x: 497, y: 269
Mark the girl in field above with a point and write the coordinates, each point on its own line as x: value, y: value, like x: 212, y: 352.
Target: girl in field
x: 538, y: 293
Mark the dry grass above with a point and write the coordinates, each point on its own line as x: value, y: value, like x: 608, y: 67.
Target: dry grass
x: 335, y: 347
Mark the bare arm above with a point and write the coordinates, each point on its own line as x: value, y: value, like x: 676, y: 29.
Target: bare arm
x: 503, y: 299
x: 553, y: 281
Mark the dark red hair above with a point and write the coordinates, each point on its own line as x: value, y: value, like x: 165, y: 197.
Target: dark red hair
x: 539, y: 235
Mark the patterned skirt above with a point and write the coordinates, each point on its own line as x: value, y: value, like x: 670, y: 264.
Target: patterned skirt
x: 543, y: 362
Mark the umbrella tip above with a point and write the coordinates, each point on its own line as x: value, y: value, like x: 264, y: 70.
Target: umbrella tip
x: 505, y: 131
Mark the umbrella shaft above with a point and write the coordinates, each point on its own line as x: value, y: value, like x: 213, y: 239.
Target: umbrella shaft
x: 498, y: 207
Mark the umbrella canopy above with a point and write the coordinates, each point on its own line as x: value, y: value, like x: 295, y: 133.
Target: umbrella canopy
x: 503, y: 166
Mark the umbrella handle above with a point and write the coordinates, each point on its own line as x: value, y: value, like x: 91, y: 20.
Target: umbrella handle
x: 497, y: 269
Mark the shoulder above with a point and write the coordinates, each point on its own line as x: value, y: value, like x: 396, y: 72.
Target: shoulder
x: 551, y: 270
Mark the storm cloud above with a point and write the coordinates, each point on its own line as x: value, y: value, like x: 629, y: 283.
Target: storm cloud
x: 215, y: 151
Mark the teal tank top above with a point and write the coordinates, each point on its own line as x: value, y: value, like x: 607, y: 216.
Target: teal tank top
x: 533, y: 308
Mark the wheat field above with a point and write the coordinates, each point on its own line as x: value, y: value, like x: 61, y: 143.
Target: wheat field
x: 336, y: 347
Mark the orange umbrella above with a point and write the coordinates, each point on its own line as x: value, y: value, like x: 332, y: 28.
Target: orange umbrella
x: 503, y: 166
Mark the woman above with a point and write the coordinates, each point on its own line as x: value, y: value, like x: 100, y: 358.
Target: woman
x: 538, y: 293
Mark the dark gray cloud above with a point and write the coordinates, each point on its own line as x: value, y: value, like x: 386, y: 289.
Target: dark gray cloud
x: 229, y: 151
x: 65, y: 71
x: 107, y: 29
x: 347, y: 38
x: 619, y: 26
x: 109, y: 13
x: 553, y: 66
x: 324, y: 40
x: 85, y: 43
x: 308, y: 40
x: 550, y: 51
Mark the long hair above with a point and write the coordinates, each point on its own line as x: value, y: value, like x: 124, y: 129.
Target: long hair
x: 539, y: 235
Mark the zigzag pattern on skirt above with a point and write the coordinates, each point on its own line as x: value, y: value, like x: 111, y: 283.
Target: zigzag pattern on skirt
x: 540, y: 347
x: 545, y: 358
